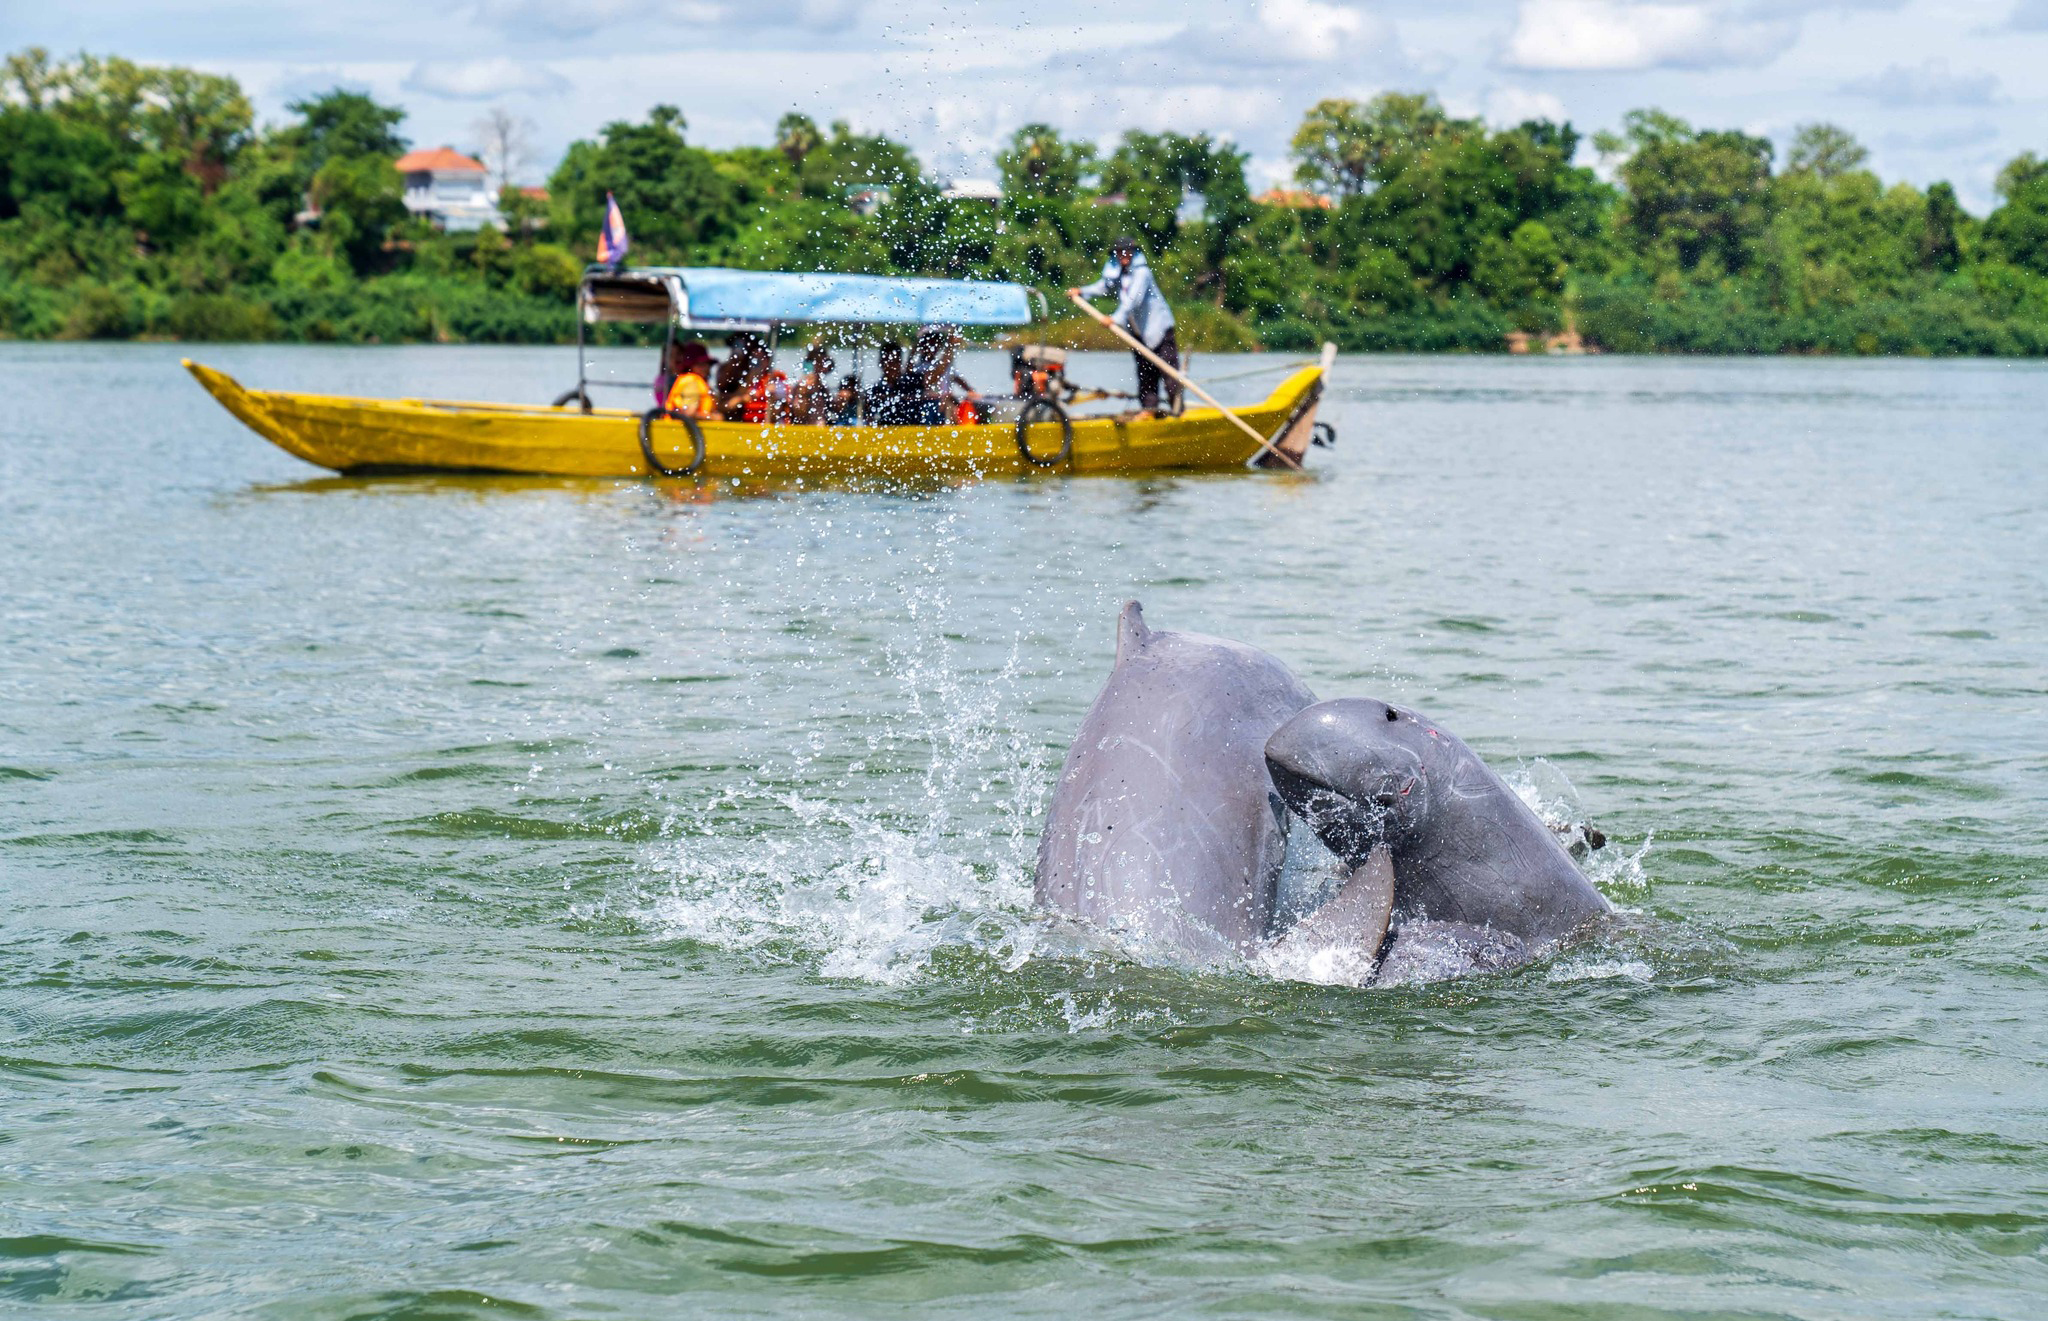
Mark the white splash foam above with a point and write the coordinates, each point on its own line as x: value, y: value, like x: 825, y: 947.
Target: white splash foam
x: 1621, y: 875
x: 1342, y: 966
x: 1590, y: 970
x: 874, y: 891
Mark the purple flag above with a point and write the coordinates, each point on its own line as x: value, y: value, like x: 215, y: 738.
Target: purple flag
x: 611, y: 240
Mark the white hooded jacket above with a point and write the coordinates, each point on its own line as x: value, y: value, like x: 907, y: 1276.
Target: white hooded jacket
x: 1140, y: 307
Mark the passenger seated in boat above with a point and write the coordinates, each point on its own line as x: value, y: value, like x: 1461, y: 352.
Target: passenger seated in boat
x: 811, y: 398
x: 896, y: 399
x: 846, y: 404
x: 749, y: 387
x: 947, y: 397
x: 744, y: 353
x: 689, y: 393
x: 672, y: 357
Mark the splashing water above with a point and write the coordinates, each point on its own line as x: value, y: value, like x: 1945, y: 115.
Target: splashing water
x: 866, y: 889
x: 877, y: 891
x: 1617, y: 873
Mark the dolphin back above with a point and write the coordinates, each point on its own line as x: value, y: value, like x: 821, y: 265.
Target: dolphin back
x: 1488, y: 859
x: 1164, y: 827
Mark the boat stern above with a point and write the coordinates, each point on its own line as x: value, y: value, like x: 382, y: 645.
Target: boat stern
x: 1299, y: 394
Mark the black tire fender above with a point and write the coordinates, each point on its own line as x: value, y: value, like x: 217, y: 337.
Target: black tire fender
x: 1038, y: 412
x: 647, y: 442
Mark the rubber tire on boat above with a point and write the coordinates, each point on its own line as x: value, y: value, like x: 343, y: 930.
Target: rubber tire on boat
x: 576, y: 394
x: 1325, y: 436
x: 647, y: 442
x: 1035, y: 413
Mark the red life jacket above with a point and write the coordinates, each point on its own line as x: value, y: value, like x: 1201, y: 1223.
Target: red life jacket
x: 764, y: 398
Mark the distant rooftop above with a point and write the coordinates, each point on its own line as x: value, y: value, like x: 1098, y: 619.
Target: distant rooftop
x: 438, y: 160
x: 1298, y: 199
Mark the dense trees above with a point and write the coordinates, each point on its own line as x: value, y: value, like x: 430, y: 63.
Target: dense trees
x: 139, y: 200
x: 2018, y: 231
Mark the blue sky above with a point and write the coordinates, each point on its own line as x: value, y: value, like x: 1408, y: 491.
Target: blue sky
x: 1935, y: 89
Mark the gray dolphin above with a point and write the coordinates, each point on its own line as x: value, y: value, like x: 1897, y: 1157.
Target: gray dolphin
x: 1477, y: 880
x: 1164, y: 827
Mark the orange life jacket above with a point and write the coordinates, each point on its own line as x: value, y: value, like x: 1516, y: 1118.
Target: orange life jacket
x: 966, y: 414
x: 691, y: 396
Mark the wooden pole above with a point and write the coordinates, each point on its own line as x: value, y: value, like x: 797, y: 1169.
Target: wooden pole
x: 1138, y: 346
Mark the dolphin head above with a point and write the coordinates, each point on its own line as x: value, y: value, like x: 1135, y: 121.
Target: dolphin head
x: 1356, y: 771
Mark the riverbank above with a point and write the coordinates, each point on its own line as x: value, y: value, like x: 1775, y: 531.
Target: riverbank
x: 1956, y: 317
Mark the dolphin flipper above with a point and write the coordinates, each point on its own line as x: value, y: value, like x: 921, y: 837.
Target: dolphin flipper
x: 1352, y: 925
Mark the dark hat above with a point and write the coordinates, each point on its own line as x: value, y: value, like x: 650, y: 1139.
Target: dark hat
x: 1125, y: 244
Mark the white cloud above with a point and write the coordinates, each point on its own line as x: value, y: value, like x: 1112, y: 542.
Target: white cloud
x: 483, y: 80
x: 953, y: 79
x: 1927, y: 84
x: 1277, y: 35
x: 1947, y: 139
x: 665, y: 18
x: 2029, y: 16
x: 1319, y: 29
x: 1508, y: 106
x: 1602, y: 35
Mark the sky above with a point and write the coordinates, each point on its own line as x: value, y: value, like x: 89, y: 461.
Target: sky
x: 1937, y: 89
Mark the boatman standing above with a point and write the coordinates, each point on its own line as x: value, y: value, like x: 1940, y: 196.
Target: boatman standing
x: 1141, y: 309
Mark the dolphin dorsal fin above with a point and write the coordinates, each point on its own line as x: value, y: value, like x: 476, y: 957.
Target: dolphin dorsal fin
x: 1131, y: 632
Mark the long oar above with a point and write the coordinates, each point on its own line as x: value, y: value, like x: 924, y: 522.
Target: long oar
x: 1173, y: 373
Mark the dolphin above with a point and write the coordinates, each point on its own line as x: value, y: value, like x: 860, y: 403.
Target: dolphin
x: 1477, y: 880
x: 1164, y: 827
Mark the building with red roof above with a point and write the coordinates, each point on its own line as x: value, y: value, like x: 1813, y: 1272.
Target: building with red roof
x: 1294, y: 199
x: 450, y: 189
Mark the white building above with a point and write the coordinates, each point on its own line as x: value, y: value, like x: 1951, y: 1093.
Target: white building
x: 973, y: 190
x: 450, y: 189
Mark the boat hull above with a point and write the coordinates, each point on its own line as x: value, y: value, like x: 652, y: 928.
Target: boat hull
x: 352, y: 435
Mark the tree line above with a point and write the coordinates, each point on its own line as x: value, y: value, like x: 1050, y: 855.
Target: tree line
x: 147, y: 201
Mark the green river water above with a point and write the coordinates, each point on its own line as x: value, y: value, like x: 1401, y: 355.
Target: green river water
x: 448, y: 897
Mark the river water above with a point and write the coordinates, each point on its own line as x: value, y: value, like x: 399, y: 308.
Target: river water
x: 447, y: 897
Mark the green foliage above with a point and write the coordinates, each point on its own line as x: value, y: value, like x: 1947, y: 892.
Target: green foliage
x: 1347, y: 149
x: 137, y: 200
x: 1941, y: 246
x: 546, y: 270
x: 2018, y: 230
x: 1827, y: 150
x: 673, y: 193
x: 1522, y: 274
x: 1038, y: 163
x: 1693, y: 197
x: 847, y: 159
x: 359, y: 200
x: 796, y: 136
x: 341, y: 125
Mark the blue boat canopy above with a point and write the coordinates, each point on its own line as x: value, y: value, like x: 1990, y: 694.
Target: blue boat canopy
x: 715, y: 298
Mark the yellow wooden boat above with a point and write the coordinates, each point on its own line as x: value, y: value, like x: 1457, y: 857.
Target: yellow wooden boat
x: 574, y: 438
